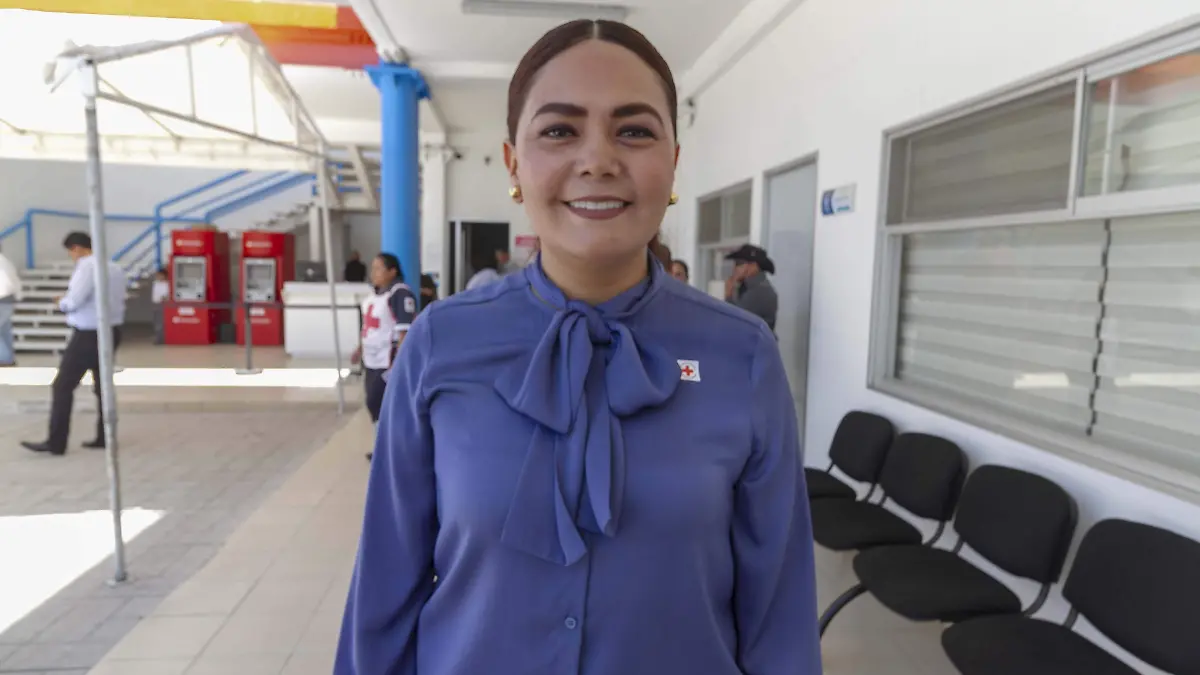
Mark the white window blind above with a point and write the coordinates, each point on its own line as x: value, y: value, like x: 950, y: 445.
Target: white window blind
x: 1148, y: 401
x: 1005, y: 318
x: 1015, y: 157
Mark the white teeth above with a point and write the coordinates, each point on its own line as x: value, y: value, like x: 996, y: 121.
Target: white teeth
x: 596, y: 206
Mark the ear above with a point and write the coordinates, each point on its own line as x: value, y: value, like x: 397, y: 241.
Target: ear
x: 510, y: 160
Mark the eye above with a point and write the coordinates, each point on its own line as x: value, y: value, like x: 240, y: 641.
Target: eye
x: 636, y: 132
x: 558, y: 131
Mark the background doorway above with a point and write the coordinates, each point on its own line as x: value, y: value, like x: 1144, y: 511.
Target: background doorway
x: 471, y: 241
x: 791, y: 219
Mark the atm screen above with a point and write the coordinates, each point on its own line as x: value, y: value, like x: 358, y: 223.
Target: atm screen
x: 260, y: 280
x: 190, y: 280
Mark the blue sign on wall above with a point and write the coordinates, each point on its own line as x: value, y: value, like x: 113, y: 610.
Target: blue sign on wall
x: 838, y: 200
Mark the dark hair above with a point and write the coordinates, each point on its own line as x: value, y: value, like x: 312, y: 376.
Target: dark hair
x: 391, y: 262
x: 562, y: 38
x: 687, y: 272
x: 481, y: 260
x: 80, y: 239
x: 662, y: 252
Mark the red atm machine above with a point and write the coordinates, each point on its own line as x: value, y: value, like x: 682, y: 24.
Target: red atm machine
x: 268, y: 261
x: 199, y: 276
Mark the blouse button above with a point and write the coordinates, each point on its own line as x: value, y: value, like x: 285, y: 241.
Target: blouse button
x: 570, y: 623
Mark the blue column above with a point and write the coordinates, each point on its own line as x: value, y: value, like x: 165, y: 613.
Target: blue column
x: 400, y: 89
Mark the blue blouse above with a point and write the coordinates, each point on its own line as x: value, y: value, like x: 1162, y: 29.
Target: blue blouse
x: 562, y: 489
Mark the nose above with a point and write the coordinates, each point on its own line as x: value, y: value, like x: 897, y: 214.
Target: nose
x: 598, y: 156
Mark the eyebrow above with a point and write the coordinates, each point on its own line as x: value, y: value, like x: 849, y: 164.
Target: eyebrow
x: 572, y: 110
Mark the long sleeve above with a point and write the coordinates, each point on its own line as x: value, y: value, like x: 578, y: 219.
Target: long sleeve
x: 80, y: 289
x: 775, y: 592
x: 393, y: 577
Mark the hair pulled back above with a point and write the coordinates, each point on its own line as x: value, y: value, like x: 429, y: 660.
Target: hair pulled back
x: 562, y: 38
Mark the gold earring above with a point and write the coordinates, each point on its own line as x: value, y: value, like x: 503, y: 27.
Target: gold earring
x: 674, y: 199
x: 515, y: 193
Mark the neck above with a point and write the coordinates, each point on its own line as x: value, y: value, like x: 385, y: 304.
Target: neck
x: 592, y: 283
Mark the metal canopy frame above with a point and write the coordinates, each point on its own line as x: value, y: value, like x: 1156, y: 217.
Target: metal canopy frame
x: 84, y: 64
x: 237, y: 110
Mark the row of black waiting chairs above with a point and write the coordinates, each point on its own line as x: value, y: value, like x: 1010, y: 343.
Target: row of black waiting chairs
x: 1137, y: 584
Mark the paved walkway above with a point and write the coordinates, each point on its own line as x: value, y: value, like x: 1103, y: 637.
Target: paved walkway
x: 189, y: 481
x: 270, y: 603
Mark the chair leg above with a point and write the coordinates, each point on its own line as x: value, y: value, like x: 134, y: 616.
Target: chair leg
x: 840, y: 604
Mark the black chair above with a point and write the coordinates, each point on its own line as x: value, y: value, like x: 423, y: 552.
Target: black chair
x: 858, y: 450
x: 1137, y: 584
x: 922, y: 473
x: 1020, y: 522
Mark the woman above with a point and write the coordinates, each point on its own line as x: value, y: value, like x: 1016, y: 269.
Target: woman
x: 485, y: 271
x: 585, y: 468
x: 386, y: 319
x: 679, y: 270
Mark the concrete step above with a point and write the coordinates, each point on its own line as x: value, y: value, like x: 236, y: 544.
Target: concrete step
x: 62, y: 332
x: 44, y: 284
x: 33, y: 307
x: 39, y: 320
x: 46, y: 296
x: 47, y: 273
x: 23, y: 345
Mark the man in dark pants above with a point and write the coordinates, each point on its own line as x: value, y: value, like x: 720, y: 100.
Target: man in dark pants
x: 82, y: 353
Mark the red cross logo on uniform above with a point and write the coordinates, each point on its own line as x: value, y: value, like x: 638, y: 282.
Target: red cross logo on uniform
x: 689, y: 371
x: 370, y: 321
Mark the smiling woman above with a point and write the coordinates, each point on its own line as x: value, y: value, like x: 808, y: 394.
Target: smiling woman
x: 592, y: 468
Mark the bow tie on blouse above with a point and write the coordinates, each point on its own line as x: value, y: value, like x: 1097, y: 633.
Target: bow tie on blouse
x: 585, y: 374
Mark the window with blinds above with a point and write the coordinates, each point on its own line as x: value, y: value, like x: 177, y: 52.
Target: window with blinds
x: 1091, y: 328
x: 1016, y: 157
x: 1148, y: 400
x: 1005, y: 317
x: 1042, y: 264
x: 1144, y: 128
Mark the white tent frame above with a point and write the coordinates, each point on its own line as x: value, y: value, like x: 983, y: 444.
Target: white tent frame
x: 84, y: 64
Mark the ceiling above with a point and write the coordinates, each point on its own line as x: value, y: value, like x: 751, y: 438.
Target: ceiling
x: 468, y: 58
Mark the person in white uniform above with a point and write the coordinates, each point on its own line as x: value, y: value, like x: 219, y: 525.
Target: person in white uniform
x: 386, y: 318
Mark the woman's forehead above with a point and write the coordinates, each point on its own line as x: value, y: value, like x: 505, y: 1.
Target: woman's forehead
x: 596, y: 75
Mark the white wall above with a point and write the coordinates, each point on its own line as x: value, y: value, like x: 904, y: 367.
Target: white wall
x: 830, y: 79
x: 128, y: 190
x: 477, y: 185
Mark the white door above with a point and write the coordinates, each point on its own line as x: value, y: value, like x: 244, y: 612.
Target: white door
x: 791, y: 216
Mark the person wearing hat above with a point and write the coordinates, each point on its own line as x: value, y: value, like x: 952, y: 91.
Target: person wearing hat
x: 748, y: 286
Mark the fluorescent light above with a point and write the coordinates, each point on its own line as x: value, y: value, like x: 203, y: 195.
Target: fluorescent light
x: 546, y: 10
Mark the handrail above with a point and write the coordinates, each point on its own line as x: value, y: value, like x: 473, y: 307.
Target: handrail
x: 236, y: 192
x: 23, y: 224
x: 27, y: 223
x: 200, y: 189
x: 257, y: 196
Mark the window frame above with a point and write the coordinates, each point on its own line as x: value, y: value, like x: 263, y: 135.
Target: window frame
x: 725, y: 197
x: 886, y: 287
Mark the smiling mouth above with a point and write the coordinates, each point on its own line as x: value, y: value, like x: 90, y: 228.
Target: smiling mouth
x: 598, y: 209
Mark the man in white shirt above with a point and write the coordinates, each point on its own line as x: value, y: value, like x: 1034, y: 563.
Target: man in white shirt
x: 83, y: 352
x: 10, y: 295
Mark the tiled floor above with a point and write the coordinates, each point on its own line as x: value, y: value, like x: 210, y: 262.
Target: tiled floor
x: 189, y: 480
x: 155, y: 379
x: 270, y: 602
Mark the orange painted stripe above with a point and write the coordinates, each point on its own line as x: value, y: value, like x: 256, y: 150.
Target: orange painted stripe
x: 350, y: 58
